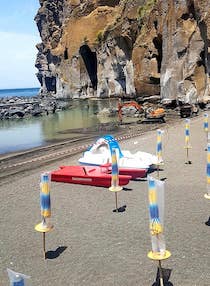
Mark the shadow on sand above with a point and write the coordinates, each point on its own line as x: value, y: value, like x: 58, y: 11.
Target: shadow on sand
x: 166, y: 276
x: 188, y: 162
x: 208, y: 222
x: 52, y: 254
x: 127, y: 189
x: 144, y: 179
x: 120, y: 209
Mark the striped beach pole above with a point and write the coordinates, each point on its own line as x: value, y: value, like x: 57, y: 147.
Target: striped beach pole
x: 156, y: 214
x: 187, y: 140
x: 207, y: 195
x: 17, y: 279
x: 45, y: 205
x: 115, y: 177
x: 206, y: 126
x: 159, y: 150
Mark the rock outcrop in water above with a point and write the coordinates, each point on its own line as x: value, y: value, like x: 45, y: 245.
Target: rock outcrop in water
x: 149, y: 50
x: 27, y: 107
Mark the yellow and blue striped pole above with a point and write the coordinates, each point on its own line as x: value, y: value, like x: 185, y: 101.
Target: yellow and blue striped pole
x: 45, y: 196
x: 159, y: 150
x: 115, y: 176
x: 17, y: 279
x: 156, y: 209
x: 187, y: 139
x: 155, y: 224
x: 45, y: 205
x: 207, y: 195
x: 206, y: 125
x: 187, y: 133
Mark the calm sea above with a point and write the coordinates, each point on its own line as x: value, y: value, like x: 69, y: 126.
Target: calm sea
x: 22, y: 92
x: 23, y: 134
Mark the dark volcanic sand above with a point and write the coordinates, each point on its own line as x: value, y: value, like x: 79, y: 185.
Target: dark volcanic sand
x: 90, y: 244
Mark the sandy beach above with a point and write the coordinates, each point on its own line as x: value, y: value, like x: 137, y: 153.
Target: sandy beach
x: 92, y: 245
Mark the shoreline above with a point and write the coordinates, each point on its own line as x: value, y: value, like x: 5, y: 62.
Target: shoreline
x: 17, y: 162
x: 13, y: 163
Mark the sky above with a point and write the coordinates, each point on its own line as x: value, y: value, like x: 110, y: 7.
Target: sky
x: 18, y: 38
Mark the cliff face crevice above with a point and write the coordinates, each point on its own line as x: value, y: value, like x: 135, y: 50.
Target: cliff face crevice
x: 153, y: 50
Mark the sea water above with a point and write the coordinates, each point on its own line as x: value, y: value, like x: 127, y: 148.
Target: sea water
x: 23, y: 134
x: 19, y: 92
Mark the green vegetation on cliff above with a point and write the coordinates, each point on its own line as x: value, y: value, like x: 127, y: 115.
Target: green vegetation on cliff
x: 146, y: 9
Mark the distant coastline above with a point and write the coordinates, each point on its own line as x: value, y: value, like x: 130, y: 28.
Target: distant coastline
x: 19, y: 92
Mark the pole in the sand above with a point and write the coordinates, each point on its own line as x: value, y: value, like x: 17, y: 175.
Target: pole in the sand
x: 119, y: 107
x: 206, y: 126
x: 207, y: 195
x: 159, y: 150
x: 187, y: 140
x: 156, y: 214
x: 45, y: 225
x: 115, y: 177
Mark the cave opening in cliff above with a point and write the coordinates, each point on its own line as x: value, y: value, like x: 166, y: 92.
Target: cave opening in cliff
x: 158, y: 43
x: 202, y: 58
x: 125, y: 44
x: 65, y: 54
x: 182, y: 53
x: 191, y: 9
x: 204, y: 54
x: 52, y: 59
x: 155, y: 24
x: 90, y: 61
x: 185, y: 16
x: 50, y: 83
x: 154, y: 80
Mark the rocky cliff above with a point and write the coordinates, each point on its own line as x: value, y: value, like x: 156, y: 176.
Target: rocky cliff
x: 150, y: 50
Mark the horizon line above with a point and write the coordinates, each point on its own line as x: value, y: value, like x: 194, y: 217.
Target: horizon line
x: 19, y: 88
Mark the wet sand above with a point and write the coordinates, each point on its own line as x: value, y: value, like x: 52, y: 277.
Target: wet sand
x: 92, y: 245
